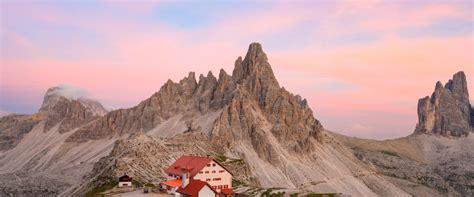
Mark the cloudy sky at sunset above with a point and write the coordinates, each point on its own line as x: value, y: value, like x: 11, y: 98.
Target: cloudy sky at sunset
x: 362, y: 65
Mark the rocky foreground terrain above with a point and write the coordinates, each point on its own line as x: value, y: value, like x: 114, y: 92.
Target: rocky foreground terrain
x: 267, y: 136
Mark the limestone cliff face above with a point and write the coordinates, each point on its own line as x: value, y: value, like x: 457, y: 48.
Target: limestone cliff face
x: 251, y: 103
x: 70, y: 112
x: 13, y: 127
x: 187, y: 98
x: 448, y: 111
x: 259, y: 105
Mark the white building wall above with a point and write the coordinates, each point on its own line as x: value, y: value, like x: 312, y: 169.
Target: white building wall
x: 173, y: 191
x: 125, y: 184
x: 172, y: 177
x: 206, y: 192
x: 213, y: 172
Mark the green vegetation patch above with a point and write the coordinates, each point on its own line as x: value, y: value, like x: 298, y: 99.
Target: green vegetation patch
x: 390, y: 153
x: 221, y: 158
x: 150, y: 185
x: 236, y: 161
x: 237, y: 183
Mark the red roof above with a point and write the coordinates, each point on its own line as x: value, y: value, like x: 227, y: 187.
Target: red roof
x: 193, y: 188
x: 227, y: 191
x: 172, y: 183
x: 192, y: 163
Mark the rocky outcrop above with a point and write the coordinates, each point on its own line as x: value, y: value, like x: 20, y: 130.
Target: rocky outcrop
x: 59, y: 94
x: 448, y: 111
x: 13, y: 127
x: 70, y: 112
x: 186, y: 98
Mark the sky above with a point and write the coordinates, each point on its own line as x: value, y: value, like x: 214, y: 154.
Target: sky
x: 362, y: 65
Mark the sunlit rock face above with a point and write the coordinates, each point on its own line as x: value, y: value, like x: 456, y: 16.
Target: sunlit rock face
x: 448, y: 111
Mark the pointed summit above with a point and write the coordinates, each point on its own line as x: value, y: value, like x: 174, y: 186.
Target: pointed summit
x: 255, y: 65
x: 255, y: 53
x: 458, y: 86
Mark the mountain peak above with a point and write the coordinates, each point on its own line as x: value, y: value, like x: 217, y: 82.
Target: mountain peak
x: 247, y: 105
x: 64, y: 94
x: 255, y: 65
x: 447, y: 111
x: 255, y: 51
x: 458, y: 86
x: 68, y: 107
x: 57, y: 93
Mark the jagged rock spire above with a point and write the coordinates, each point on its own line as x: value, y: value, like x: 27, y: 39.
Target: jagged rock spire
x: 447, y: 111
x: 255, y: 64
x: 458, y: 86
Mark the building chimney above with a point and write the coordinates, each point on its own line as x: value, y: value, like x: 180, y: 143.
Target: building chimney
x: 185, y: 178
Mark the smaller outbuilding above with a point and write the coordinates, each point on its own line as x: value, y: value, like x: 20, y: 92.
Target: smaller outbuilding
x: 125, y: 181
x: 171, y: 186
x: 196, y: 188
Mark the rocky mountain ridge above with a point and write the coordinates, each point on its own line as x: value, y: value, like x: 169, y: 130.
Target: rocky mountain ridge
x: 251, y: 84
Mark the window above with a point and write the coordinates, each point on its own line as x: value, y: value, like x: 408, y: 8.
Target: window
x: 207, y: 172
x: 213, y: 164
x: 221, y: 171
x: 213, y: 171
x: 208, y: 165
x: 216, y: 179
x: 226, y: 186
x: 170, y: 175
x: 200, y: 172
x: 208, y: 179
x: 219, y: 187
x: 214, y: 187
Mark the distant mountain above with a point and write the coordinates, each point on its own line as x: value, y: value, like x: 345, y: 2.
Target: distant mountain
x: 448, y: 111
x: 56, y: 108
x: 71, y: 112
x: 264, y: 134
